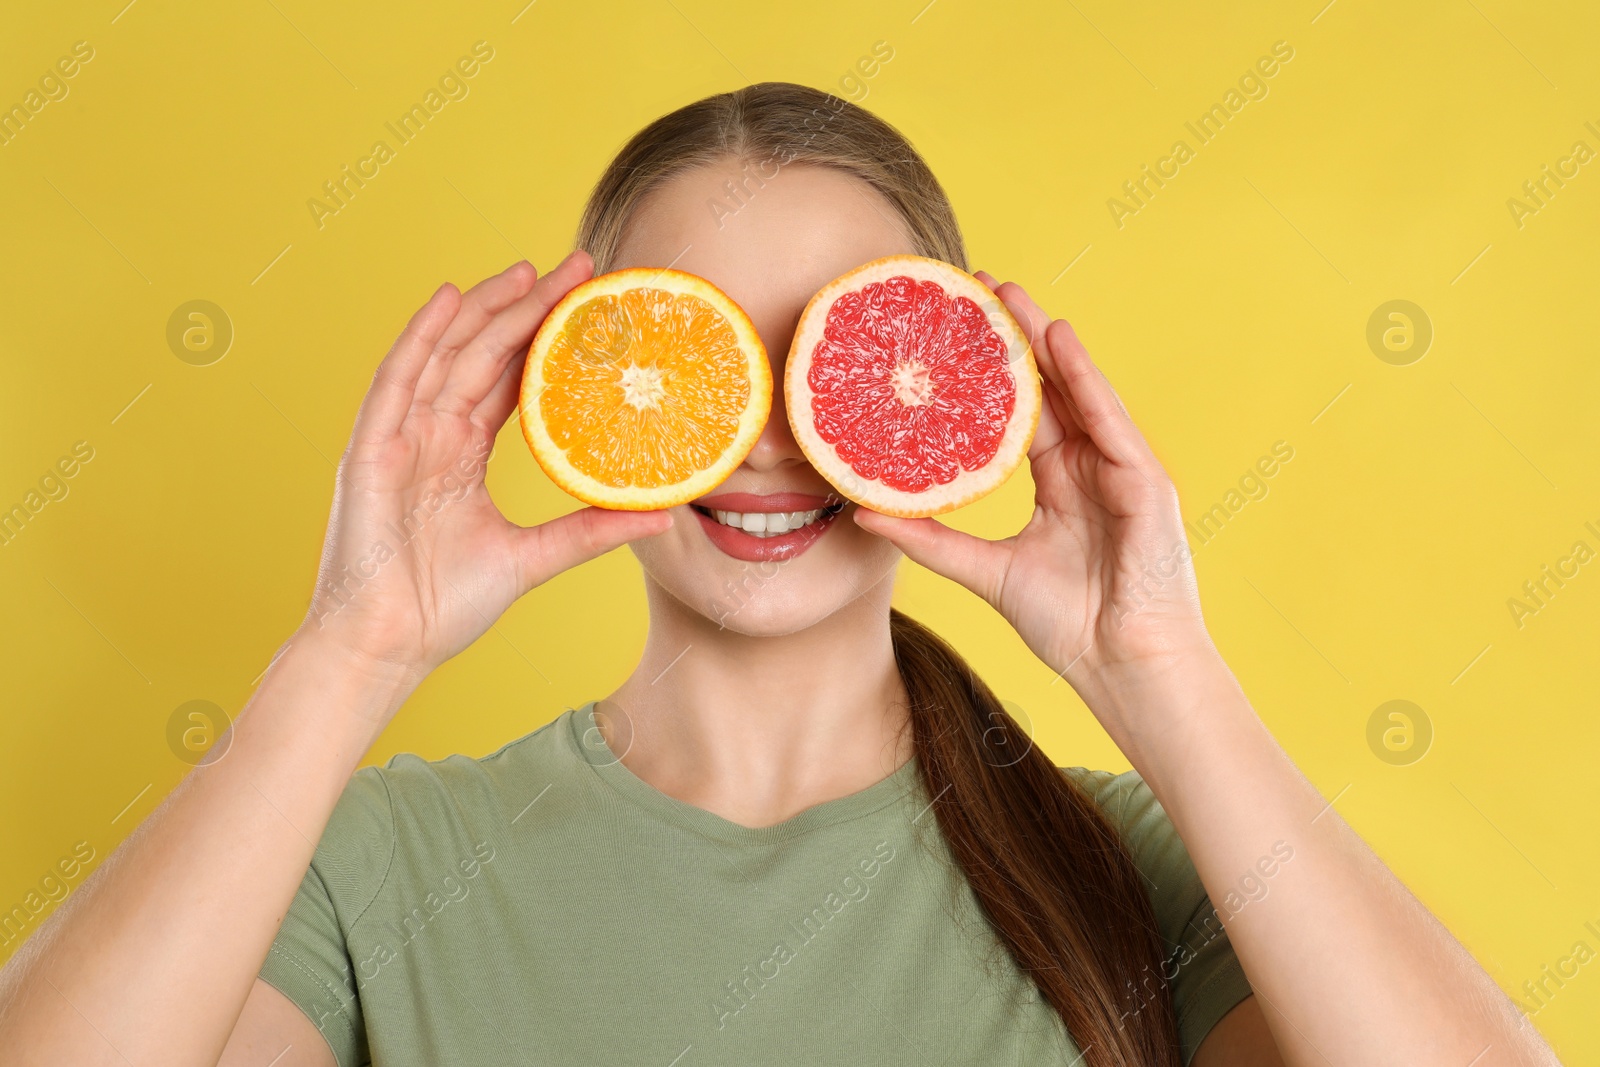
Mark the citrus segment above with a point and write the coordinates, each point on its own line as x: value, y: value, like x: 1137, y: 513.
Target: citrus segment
x: 910, y: 387
x: 643, y: 389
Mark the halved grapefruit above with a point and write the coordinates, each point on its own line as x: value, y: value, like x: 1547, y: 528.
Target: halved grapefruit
x: 910, y: 387
x: 644, y: 388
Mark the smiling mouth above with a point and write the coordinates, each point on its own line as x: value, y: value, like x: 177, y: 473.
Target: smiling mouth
x: 764, y: 524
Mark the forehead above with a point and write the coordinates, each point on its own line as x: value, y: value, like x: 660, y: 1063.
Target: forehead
x: 769, y: 241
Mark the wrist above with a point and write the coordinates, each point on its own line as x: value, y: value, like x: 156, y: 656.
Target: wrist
x: 1155, y: 703
x: 373, y: 687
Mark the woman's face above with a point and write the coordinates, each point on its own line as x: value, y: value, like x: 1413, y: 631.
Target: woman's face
x: 770, y: 245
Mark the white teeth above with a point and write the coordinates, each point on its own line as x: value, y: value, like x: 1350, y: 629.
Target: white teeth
x: 768, y: 523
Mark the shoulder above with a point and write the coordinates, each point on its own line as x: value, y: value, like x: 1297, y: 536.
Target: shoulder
x: 1133, y: 809
x: 1152, y: 841
x: 1206, y: 977
x: 417, y: 786
x: 411, y: 810
x: 357, y: 844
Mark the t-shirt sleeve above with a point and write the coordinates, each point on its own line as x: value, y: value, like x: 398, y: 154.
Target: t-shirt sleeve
x: 309, y: 961
x: 1206, y: 978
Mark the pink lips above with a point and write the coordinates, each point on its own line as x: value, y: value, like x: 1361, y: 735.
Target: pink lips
x: 753, y: 549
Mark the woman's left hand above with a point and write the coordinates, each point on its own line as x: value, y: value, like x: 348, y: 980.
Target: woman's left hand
x: 1099, y: 583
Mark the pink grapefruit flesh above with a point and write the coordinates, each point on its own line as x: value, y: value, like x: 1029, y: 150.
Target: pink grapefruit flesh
x: 910, y: 387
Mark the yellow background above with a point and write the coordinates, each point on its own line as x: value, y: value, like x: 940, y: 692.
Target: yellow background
x: 1229, y: 311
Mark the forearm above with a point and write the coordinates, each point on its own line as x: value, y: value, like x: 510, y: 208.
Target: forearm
x: 1349, y: 966
x: 151, y: 961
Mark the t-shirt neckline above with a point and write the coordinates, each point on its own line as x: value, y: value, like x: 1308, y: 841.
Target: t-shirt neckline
x: 589, y: 745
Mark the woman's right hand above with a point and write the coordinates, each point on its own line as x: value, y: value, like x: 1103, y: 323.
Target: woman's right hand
x: 418, y: 561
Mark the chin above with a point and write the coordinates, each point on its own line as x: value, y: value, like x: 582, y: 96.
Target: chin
x: 771, y: 617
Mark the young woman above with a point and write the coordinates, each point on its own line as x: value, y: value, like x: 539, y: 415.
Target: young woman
x: 802, y: 831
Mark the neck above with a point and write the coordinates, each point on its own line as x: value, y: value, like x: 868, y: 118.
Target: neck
x: 757, y: 729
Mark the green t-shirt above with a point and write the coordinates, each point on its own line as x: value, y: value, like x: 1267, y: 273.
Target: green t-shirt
x: 544, y: 905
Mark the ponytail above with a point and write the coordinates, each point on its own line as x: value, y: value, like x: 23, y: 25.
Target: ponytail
x: 1049, y: 869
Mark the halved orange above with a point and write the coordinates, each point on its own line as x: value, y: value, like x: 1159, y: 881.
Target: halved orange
x: 644, y: 388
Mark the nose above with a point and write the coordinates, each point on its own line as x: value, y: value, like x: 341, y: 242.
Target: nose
x: 776, y: 447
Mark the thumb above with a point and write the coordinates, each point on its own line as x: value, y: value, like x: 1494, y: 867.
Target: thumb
x: 971, y: 561
x: 546, y: 550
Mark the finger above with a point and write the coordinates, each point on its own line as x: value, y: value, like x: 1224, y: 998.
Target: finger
x: 1056, y: 420
x: 1081, y: 388
x: 475, y: 371
x: 478, y: 305
x: 493, y: 410
x: 1029, y: 317
x: 1103, y: 415
x: 1035, y: 325
x: 1038, y: 327
x: 1050, y: 431
x: 1028, y: 314
x: 971, y: 561
x: 546, y: 550
x: 394, y: 384
x: 486, y: 299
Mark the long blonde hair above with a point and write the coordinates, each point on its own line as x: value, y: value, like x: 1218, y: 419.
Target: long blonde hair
x: 1050, y: 871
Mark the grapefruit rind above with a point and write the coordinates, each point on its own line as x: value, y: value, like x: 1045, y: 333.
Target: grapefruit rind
x: 553, y: 460
x: 969, y: 485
